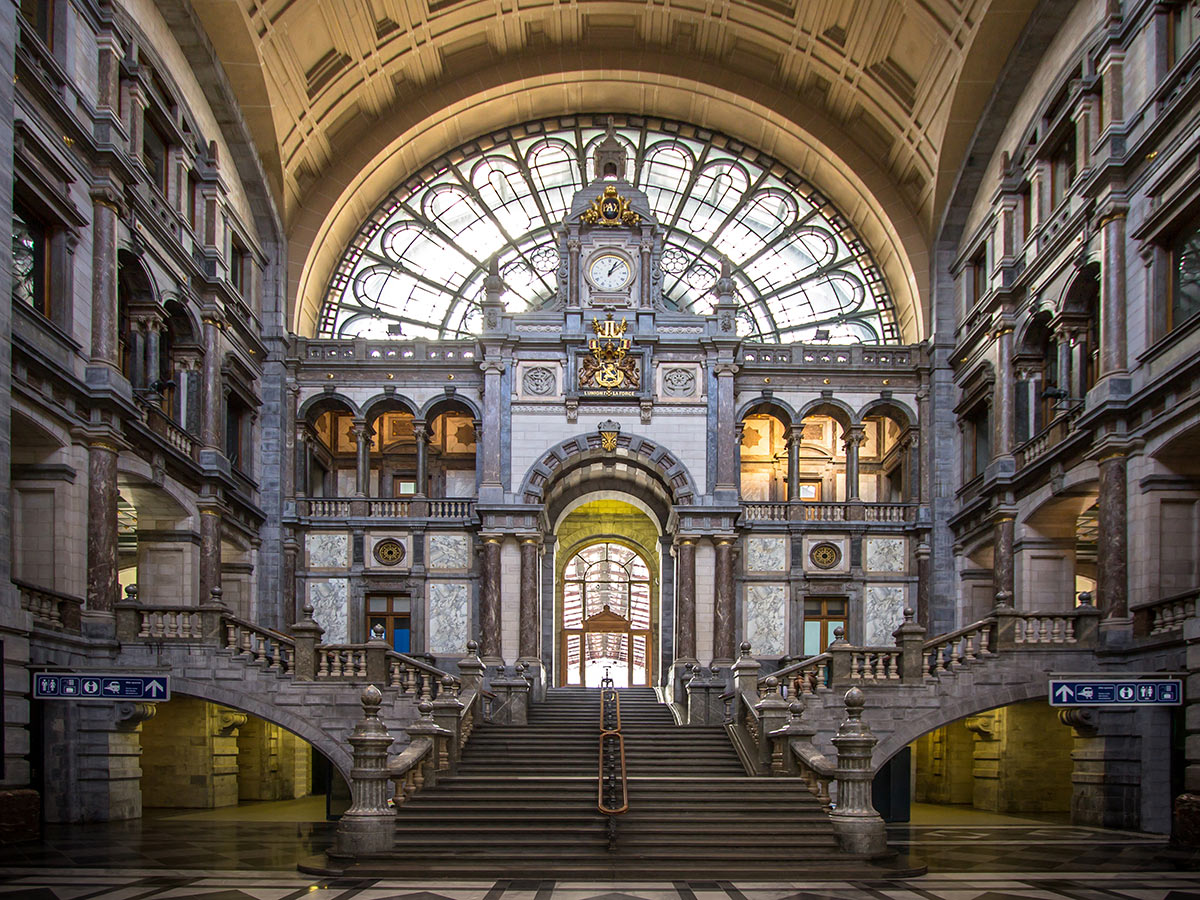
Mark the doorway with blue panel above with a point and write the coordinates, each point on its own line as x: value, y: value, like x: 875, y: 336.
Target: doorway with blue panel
x: 393, y: 613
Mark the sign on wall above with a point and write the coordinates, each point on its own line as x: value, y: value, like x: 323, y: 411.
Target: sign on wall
x: 1112, y: 692
x: 98, y: 686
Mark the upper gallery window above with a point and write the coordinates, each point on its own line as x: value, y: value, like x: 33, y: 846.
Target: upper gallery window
x: 1185, y: 284
x: 154, y: 154
x: 40, y: 16
x: 1184, y: 28
x: 30, y: 261
x: 417, y: 265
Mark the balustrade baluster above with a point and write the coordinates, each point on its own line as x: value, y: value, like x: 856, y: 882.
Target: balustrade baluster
x: 323, y: 669
x: 426, y: 691
x: 969, y: 647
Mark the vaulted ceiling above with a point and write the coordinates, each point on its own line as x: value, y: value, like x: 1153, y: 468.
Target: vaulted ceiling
x: 874, y: 101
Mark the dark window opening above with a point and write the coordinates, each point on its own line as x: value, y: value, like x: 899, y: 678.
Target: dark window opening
x: 154, y: 154
x: 30, y: 261
x: 1185, y: 281
x: 39, y: 14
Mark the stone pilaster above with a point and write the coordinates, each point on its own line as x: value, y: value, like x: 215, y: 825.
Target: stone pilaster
x: 489, y: 601
x: 685, y: 602
x: 855, y: 435
x: 728, y: 450
x: 529, y: 627
x: 210, y: 547
x: 1004, y: 401
x: 1003, y: 530
x: 362, y: 458
x: 102, y: 585
x: 1112, y: 581
x: 795, y: 435
x: 723, y: 606
x: 1107, y: 768
x: 1112, y: 294
x: 210, y: 431
x: 421, y: 433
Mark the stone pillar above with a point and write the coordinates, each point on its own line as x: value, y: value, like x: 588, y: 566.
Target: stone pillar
x: 529, y: 625
x: 137, y: 354
x: 924, y: 583
x: 728, y: 452
x: 102, y: 583
x: 723, y: 606
x: 1004, y: 410
x: 491, y: 488
x: 489, y: 601
x: 294, y: 475
x: 105, y: 214
x: 1002, y: 555
x: 1063, y: 339
x: 369, y: 825
x: 795, y: 433
x: 210, y: 546
x: 925, y: 474
x: 210, y: 433
x: 362, y: 458
x: 1112, y: 293
x: 1107, y: 770
x: 685, y: 603
x: 858, y: 827
x: 1112, y: 583
x: 855, y: 435
x: 154, y: 330
x: 420, y: 431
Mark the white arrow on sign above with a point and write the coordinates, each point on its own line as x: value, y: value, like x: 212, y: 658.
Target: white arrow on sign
x: 154, y: 688
x: 1063, y: 693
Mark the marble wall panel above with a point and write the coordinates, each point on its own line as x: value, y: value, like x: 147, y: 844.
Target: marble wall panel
x: 883, y: 613
x: 330, y: 608
x: 766, y: 554
x: 327, y: 551
x: 449, y: 616
x: 884, y: 554
x: 449, y: 551
x: 766, y: 618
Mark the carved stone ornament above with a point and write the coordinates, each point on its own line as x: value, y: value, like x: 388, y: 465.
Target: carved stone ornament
x: 538, y: 381
x: 825, y: 555
x: 608, y: 434
x: 611, y: 209
x: 389, y: 552
x: 679, y: 382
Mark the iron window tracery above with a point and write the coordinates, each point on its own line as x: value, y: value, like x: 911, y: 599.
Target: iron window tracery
x: 420, y: 259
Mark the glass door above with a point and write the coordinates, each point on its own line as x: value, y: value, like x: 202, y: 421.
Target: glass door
x: 394, y: 613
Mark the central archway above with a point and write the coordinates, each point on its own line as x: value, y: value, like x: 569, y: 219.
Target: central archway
x: 607, y: 595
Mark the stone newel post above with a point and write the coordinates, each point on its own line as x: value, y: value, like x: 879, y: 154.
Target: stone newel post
x: 859, y: 828
x: 369, y: 825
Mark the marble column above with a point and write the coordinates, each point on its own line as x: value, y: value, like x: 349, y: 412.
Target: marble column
x: 489, y: 600
x: 154, y: 330
x: 362, y: 457
x: 573, y: 291
x: 529, y: 626
x: 795, y: 434
x: 105, y: 214
x: 727, y: 446
x: 723, y: 606
x: 855, y: 435
x: 925, y: 453
x: 491, y: 489
x: 1004, y: 399
x: 210, y: 548
x: 1112, y: 294
x: 102, y: 583
x: 137, y: 355
x: 420, y: 431
x: 210, y: 433
x: 685, y: 605
x: 1062, y: 338
x: 292, y: 470
x: 1002, y: 556
x: 924, y: 583
x: 1112, y: 583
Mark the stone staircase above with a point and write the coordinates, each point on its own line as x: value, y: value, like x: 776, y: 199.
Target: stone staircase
x: 522, y: 804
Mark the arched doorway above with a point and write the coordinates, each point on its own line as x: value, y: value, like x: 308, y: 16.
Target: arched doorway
x: 606, y: 617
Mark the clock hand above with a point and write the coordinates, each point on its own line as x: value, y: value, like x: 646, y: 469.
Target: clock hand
x: 614, y: 268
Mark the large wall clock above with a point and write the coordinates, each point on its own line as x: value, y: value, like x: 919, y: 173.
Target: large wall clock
x: 609, y: 272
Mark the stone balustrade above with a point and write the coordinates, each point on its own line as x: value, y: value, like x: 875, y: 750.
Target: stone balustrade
x: 461, y: 509
x: 1048, y: 438
x: 828, y: 355
x: 364, y: 350
x: 804, y: 511
x: 1165, y: 617
x: 49, y: 608
x: 162, y: 425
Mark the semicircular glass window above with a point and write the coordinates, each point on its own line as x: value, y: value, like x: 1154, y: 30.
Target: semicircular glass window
x: 416, y: 267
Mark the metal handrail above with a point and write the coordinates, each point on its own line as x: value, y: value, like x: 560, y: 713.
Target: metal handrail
x: 612, y: 789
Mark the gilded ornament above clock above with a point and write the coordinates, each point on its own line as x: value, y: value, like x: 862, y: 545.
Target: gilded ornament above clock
x: 610, y: 208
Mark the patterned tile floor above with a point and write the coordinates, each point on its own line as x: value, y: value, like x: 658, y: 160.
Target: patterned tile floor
x: 173, y: 859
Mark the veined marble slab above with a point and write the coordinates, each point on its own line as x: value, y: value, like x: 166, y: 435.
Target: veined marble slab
x: 449, y: 616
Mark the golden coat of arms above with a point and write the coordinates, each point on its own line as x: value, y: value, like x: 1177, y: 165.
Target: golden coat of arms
x: 609, y: 367
x: 610, y: 208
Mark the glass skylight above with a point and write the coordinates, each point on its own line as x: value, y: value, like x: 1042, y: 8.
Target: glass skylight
x: 416, y: 267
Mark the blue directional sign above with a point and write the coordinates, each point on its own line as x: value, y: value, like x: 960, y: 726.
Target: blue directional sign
x: 1098, y: 692
x: 95, y: 686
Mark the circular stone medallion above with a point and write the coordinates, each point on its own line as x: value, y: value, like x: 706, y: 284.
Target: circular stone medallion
x: 825, y: 555
x: 389, y: 552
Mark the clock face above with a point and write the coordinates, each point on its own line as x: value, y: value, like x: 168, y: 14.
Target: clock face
x: 609, y: 272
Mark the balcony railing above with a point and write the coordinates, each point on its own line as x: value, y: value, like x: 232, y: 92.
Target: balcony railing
x: 49, y: 608
x: 385, y: 508
x: 1048, y: 438
x: 804, y: 511
x: 1165, y: 617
